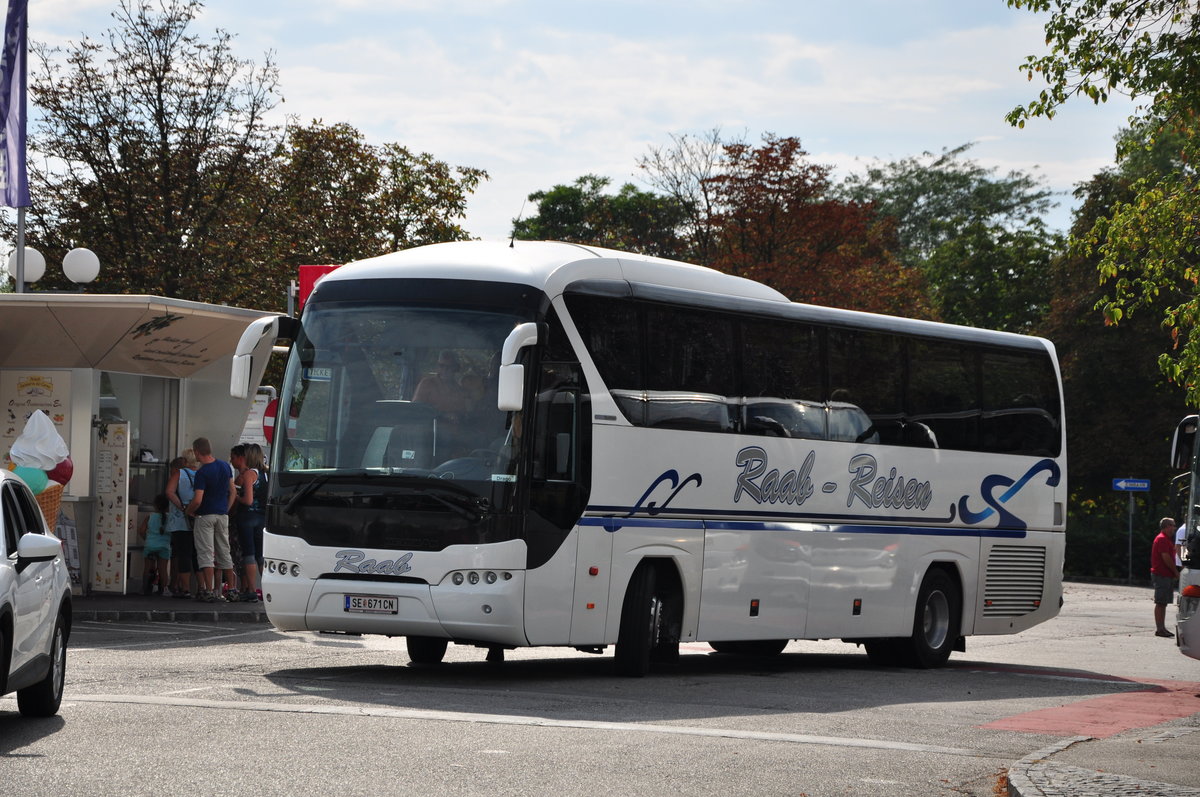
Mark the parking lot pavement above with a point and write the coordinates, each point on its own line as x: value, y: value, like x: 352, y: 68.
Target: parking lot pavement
x: 1122, y: 761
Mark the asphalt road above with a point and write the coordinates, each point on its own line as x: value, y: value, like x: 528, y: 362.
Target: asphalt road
x: 238, y: 709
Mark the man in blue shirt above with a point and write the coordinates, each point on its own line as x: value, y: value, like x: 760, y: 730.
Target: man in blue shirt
x: 210, y: 507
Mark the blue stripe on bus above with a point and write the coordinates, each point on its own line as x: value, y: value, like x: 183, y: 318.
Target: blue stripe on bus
x: 610, y: 522
x: 622, y: 513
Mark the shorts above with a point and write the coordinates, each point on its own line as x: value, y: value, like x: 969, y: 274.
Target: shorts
x: 1164, y: 589
x: 212, y: 541
x: 158, y: 552
x: 183, y: 550
x: 249, y: 533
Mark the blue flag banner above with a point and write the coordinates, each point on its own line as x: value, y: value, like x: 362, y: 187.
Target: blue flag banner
x: 13, y: 183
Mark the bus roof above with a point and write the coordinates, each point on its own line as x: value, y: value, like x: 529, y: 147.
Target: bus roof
x: 548, y: 265
x: 552, y: 266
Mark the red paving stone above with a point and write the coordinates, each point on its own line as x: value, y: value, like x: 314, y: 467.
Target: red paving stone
x: 1101, y: 717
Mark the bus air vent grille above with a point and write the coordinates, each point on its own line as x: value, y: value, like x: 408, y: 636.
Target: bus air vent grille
x: 1015, y: 578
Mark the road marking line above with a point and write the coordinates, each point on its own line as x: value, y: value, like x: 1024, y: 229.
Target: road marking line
x: 149, y: 627
x: 536, y: 722
x: 181, y: 643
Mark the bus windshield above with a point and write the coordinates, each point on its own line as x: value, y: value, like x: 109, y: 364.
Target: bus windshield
x: 375, y: 389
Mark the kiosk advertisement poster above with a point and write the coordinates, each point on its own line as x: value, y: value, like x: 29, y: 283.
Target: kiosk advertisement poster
x: 24, y: 392
x: 114, y: 520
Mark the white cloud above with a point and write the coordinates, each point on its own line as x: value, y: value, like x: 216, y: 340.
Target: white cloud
x: 540, y: 94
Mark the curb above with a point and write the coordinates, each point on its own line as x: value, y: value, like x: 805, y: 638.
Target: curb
x: 168, y: 616
x: 1035, y: 776
x: 1019, y: 782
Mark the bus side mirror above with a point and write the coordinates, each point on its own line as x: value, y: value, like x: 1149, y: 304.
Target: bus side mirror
x: 510, y: 393
x: 243, y: 355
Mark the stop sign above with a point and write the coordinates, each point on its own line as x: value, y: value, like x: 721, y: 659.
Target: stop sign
x: 269, y: 420
x: 269, y: 413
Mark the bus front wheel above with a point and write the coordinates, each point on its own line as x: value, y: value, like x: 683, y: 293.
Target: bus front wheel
x: 426, y: 649
x: 644, y: 633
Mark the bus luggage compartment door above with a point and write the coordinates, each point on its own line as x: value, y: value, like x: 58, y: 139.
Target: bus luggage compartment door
x: 593, y: 579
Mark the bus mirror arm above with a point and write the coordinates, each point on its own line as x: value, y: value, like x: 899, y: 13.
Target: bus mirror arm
x: 510, y: 393
x: 522, y: 336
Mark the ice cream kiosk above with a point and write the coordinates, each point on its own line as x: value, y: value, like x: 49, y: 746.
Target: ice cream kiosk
x: 123, y: 384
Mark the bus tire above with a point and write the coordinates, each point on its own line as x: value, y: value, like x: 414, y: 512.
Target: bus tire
x: 426, y: 649
x: 43, y: 698
x: 642, y: 623
x: 936, y: 622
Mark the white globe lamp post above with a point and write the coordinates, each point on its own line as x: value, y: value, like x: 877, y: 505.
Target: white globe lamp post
x: 35, y: 265
x: 80, y: 265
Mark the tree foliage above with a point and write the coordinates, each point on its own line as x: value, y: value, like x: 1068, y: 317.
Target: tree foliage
x: 154, y: 150
x: 583, y: 212
x: 687, y: 171
x: 1145, y: 245
x: 778, y: 220
x: 762, y: 211
x: 1110, y: 373
x: 340, y: 198
x: 149, y: 145
x: 978, y: 238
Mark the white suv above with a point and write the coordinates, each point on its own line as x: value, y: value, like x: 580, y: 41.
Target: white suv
x: 35, y: 603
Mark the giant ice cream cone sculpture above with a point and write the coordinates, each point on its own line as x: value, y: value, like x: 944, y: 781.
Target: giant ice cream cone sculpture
x: 41, y: 458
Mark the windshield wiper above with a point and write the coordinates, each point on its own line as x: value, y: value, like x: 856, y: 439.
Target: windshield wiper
x: 304, y: 492
x: 471, y: 509
x: 311, y: 487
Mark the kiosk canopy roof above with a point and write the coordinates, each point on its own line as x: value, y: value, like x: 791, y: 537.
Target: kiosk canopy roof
x: 150, y: 335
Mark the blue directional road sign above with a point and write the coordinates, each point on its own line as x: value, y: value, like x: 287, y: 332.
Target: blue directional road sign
x: 1132, y: 485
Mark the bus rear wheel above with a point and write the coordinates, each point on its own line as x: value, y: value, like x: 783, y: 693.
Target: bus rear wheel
x: 426, y: 649
x: 936, y: 623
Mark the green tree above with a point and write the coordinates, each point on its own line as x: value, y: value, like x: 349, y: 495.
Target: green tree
x: 977, y: 237
x: 582, y: 212
x: 338, y: 198
x: 1110, y: 373
x: 1146, y: 245
x: 149, y: 146
x: 153, y: 150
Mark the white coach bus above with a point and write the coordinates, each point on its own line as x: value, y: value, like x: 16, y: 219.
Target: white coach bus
x: 507, y: 445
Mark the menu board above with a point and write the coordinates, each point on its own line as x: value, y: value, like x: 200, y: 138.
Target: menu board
x: 23, y: 393
x: 114, y: 520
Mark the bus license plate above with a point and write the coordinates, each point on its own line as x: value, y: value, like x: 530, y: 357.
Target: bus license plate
x: 372, y: 604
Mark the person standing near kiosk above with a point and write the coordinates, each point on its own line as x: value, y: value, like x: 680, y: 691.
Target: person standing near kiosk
x: 210, y: 507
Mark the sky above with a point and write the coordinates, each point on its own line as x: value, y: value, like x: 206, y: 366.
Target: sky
x: 539, y: 93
